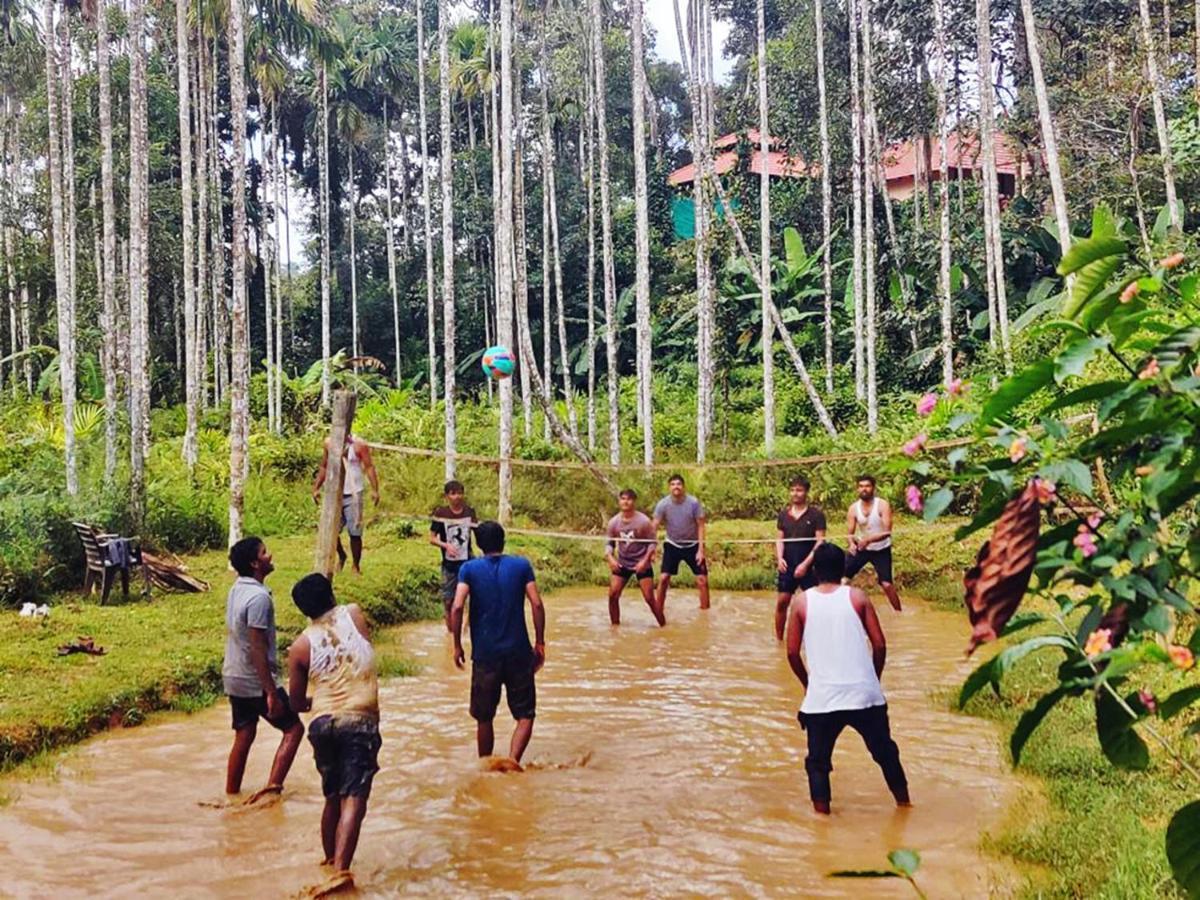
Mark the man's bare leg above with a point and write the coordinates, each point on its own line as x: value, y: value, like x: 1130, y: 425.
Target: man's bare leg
x: 892, y: 594
x: 329, y: 827
x: 354, y: 809
x: 664, y: 584
x: 243, y: 739
x: 520, y: 738
x: 356, y: 553
x: 341, y: 552
x: 647, y: 586
x: 485, y: 738
x: 288, y: 745
x: 615, y: 586
x: 782, y: 602
x: 702, y: 587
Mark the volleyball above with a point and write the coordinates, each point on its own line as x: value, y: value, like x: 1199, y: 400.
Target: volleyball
x: 498, y: 362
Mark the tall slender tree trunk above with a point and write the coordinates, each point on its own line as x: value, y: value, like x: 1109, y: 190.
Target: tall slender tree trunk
x: 944, y: 285
x: 872, y: 165
x: 108, y: 305
x: 764, y: 226
x: 521, y: 260
x: 191, y: 353
x: 1046, y: 120
x: 426, y: 204
x: 446, y: 155
x: 987, y: 140
x: 280, y: 170
x: 504, y: 253
x: 139, y: 336
x: 826, y: 195
x: 589, y: 141
x: 202, y: 223
x: 642, y: 234
x: 7, y: 192
x: 352, y: 198
x: 239, y: 409
x: 70, y: 207
x: 856, y: 176
x: 391, y: 242
x: 610, y: 277
x: 547, y: 327
x: 1160, y: 115
x: 326, y: 268
x: 266, y: 254
x: 62, y: 277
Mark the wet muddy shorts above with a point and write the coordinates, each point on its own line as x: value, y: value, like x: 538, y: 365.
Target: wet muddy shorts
x: 515, y: 675
x: 248, y: 710
x: 673, y: 556
x: 788, y: 583
x: 626, y: 574
x: 880, y: 560
x: 352, y: 514
x: 346, y: 751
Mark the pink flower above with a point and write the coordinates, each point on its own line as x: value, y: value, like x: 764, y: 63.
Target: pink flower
x: 1131, y: 291
x: 1094, y: 520
x: 912, y: 496
x: 926, y: 404
x: 1099, y: 641
x: 916, y: 445
x: 1047, y: 492
x: 1085, y: 540
x: 1151, y: 371
x: 1181, y: 656
x: 956, y: 388
x: 1173, y: 261
x: 1148, y: 700
x: 1018, y: 449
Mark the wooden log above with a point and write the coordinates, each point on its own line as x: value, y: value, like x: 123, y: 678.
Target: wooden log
x: 330, y: 523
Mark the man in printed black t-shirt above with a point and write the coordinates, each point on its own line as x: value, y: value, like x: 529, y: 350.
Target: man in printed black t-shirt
x: 800, y: 529
x: 450, y: 531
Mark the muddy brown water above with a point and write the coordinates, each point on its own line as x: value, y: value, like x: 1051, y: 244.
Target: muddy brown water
x: 664, y: 763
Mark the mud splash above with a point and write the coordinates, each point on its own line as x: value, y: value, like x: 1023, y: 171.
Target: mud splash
x: 664, y: 762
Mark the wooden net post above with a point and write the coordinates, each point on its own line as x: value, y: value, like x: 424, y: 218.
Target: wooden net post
x: 330, y: 523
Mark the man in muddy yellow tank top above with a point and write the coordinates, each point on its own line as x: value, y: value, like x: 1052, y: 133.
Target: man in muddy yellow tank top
x: 335, y: 655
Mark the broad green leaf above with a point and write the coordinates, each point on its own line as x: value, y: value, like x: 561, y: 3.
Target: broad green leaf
x: 1004, y: 660
x: 1104, y: 223
x: 793, y: 247
x: 1174, y: 347
x: 1157, y: 619
x: 1031, y: 719
x: 906, y: 862
x: 1070, y: 472
x: 1035, y: 312
x: 1016, y: 389
x: 1123, y: 746
x: 937, y: 502
x: 958, y: 420
x: 1089, y: 623
x: 1183, y: 847
x: 956, y: 279
x: 957, y: 457
x: 1075, y: 357
x: 1021, y: 621
x: 1178, y: 701
x: 1090, y: 250
x: 1085, y: 394
x: 983, y: 675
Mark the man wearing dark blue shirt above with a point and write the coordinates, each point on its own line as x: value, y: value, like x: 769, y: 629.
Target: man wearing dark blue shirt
x: 501, y: 657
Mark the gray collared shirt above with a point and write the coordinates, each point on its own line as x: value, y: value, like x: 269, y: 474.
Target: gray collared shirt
x: 249, y: 606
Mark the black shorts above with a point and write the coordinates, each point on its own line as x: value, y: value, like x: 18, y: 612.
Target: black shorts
x: 248, y: 710
x: 880, y: 560
x: 346, y: 752
x: 788, y: 583
x: 626, y: 574
x: 673, y: 556
x: 515, y: 675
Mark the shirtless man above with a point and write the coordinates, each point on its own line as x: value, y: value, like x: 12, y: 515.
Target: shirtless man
x: 872, y: 516
x: 686, y: 522
x: 357, y: 461
x: 631, y: 548
x: 799, y: 530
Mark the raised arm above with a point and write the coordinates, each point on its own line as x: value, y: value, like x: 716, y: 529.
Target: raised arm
x: 874, y: 630
x: 299, y: 655
x: 795, y: 637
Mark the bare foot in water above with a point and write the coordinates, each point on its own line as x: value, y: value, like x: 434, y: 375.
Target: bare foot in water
x: 270, y: 791
x: 821, y: 807
x: 334, y: 884
x: 500, y: 764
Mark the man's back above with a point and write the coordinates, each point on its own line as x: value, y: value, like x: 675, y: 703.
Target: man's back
x: 497, y: 605
x: 841, y: 671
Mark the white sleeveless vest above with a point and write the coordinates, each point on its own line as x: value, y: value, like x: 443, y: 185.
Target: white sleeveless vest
x: 841, y: 673
x: 871, y: 522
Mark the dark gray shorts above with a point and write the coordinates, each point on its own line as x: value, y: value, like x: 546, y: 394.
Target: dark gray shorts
x: 346, y: 752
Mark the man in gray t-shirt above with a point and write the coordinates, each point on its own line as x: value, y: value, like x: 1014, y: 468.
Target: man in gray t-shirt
x: 250, y: 666
x: 686, y: 521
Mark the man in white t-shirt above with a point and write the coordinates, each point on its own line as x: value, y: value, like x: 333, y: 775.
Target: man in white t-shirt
x: 844, y: 653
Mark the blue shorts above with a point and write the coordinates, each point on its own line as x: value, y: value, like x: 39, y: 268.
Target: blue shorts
x: 352, y: 514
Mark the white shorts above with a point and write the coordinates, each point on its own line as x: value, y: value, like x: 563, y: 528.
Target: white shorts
x: 352, y: 514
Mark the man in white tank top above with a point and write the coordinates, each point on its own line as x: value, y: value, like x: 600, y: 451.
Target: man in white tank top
x: 844, y: 651
x: 869, y: 521
x: 356, y: 462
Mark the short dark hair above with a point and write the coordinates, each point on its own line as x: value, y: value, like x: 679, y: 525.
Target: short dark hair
x: 454, y: 487
x: 244, y: 554
x: 800, y: 481
x: 490, y: 537
x: 313, y: 595
x: 829, y: 563
x: 870, y: 478
x: 628, y: 492
x: 676, y: 477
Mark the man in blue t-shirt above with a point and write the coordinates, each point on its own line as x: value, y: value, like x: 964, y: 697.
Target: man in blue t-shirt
x: 498, y: 586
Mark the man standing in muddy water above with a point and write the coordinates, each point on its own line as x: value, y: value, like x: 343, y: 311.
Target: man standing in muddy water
x: 799, y: 530
x: 872, y: 516
x: 686, y: 522
x: 632, y: 543
x: 497, y: 586
x: 450, y: 531
x: 249, y: 669
x: 834, y: 624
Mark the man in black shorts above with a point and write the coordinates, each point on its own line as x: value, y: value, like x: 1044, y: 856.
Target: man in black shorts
x: 497, y: 586
x: 450, y: 532
x: 685, y: 519
x: 800, y: 529
x: 632, y: 545
x: 869, y: 521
